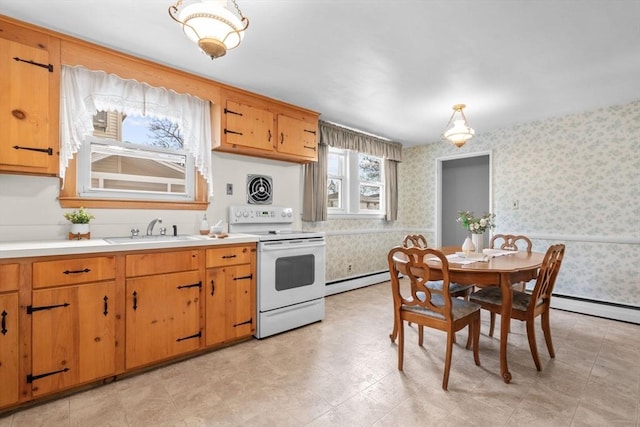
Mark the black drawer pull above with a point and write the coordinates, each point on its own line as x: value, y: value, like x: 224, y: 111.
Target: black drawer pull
x: 310, y: 148
x: 226, y: 131
x: 135, y: 300
x: 106, y: 305
x: 228, y: 256
x: 244, y: 277
x: 310, y: 131
x: 86, y: 270
x: 213, y: 287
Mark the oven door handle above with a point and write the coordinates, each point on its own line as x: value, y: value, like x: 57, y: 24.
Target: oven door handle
x: 294, y: 244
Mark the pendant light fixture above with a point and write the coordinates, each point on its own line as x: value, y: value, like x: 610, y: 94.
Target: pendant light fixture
x: 211, y: 25
x: 458, y: 130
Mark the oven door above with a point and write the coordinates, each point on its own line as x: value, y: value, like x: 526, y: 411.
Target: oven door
x: 290, y: 272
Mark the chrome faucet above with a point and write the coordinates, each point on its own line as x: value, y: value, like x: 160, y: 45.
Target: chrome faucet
x: 151, y: 224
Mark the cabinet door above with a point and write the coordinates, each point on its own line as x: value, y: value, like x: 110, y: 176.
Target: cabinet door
x: 297, y: 137
x: 162, y: 317
x: 8, y: 349
x: 24, y: 108
x: 247, y: 126
x: 230, y: 303
x: 73, y: 336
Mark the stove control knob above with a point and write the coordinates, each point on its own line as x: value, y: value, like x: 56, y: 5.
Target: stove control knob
x: 245, y: 214
x: 289, y: 213
x: 238, y: 213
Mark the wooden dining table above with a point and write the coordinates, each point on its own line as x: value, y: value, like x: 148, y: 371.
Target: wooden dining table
x: 500, y: 271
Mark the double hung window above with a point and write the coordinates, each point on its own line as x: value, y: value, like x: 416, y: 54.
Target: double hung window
x: 355, y: 183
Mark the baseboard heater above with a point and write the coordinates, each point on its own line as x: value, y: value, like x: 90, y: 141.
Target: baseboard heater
x: 351, y: 283
x: 607, y: 310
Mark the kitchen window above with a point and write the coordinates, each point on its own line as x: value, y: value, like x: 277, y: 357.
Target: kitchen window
x: 128, y: 144
x: 355, y: 183
x: 135, y: 157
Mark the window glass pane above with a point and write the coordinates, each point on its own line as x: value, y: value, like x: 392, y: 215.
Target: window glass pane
x: 120, y: 168
x: 369, y: 168
x: 152, y: 132
x: 370, y: 197
x: 334, y: 164
x: 139, y: 155
x: 334, y: 192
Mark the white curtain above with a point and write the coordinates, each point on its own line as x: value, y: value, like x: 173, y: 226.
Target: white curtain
x: 85, y: 92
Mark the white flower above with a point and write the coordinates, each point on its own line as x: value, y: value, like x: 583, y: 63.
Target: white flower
x: 483, y: 222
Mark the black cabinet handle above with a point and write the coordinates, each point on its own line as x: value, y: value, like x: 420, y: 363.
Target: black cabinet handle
x: 269, y: 135
x: 135, y: 300
x: 193, y: 285
x: 213, y: 287
x: 106, y: 305
x: 4, y: 323
x: 228, y: 256
x: 86, y: 270
x: 244, y: 277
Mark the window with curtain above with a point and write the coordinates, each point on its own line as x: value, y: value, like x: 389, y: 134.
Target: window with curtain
x: 355, y: 183
x: 133, y: 141
x: 340, y: 182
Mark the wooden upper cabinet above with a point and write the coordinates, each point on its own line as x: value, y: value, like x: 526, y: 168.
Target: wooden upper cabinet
x: 256, y: 126
x: 29, y: 97
x: 248, y: 126
x: 297, y: 137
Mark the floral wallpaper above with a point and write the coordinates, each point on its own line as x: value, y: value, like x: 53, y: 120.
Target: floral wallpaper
x: 577, y: 180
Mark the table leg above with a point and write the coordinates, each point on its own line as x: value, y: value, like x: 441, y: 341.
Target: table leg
x: 505, y: 322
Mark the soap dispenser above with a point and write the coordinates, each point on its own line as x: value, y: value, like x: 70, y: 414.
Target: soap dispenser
x: 204, y: 225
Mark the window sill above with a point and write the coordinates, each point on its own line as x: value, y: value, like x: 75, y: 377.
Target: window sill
x: 76, y: 202
x: 355, y: 216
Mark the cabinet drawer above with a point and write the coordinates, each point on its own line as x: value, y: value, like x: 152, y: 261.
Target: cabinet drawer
x: 164, y: 262
x: 229, y: 255
x: 72, y: 271
x: 9, y: 277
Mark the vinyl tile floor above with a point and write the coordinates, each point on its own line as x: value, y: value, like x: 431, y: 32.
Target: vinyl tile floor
x: 343, y: 372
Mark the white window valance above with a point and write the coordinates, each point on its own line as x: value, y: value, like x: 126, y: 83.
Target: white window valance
x: 85, y: 92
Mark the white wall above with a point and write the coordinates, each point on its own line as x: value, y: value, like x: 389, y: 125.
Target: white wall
x: 29, y: 209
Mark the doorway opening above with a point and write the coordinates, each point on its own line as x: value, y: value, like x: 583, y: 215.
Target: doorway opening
x: 463, y: 184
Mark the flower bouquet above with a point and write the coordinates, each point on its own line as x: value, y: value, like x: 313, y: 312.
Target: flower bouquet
x: 476, y: 225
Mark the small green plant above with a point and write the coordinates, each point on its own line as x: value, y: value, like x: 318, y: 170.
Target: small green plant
x: 79, y: 216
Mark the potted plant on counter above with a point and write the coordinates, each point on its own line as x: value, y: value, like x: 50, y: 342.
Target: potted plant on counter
x: 79, y: 219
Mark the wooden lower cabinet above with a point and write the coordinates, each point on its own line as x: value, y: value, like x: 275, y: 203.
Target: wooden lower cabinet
x: 162, y: 317
x: 230, y: 303
x: 73, y: 336
x: 9, y: 380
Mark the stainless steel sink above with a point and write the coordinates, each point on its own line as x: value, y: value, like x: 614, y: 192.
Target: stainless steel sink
x: 150, y: 239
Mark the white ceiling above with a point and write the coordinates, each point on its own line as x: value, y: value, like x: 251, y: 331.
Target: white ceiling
x: 393, y: 68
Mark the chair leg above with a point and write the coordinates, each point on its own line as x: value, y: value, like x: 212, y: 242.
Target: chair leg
x: 420, y: 335
x: 447, y: 360
x: 400, y: 344
x: 531, y: 334
x: 470, y: 336
x: 546, y: 329
x: 476, y: 340
x: 394, y: 333
x: 492, y: 325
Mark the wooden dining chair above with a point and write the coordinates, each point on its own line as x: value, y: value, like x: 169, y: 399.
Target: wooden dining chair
x: 455, y: 289
x: 527, y: 306
x: 425, y: 307
x: 509, y: 242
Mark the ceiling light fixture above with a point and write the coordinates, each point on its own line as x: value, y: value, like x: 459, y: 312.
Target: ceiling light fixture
x: 209, y: 23
x: 458, y: 131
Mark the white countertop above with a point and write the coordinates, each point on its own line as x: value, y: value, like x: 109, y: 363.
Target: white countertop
x: 24, y: 249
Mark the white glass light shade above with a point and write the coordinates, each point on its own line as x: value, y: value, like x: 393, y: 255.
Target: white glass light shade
x: 212, y: 26
x: 459, y: 133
